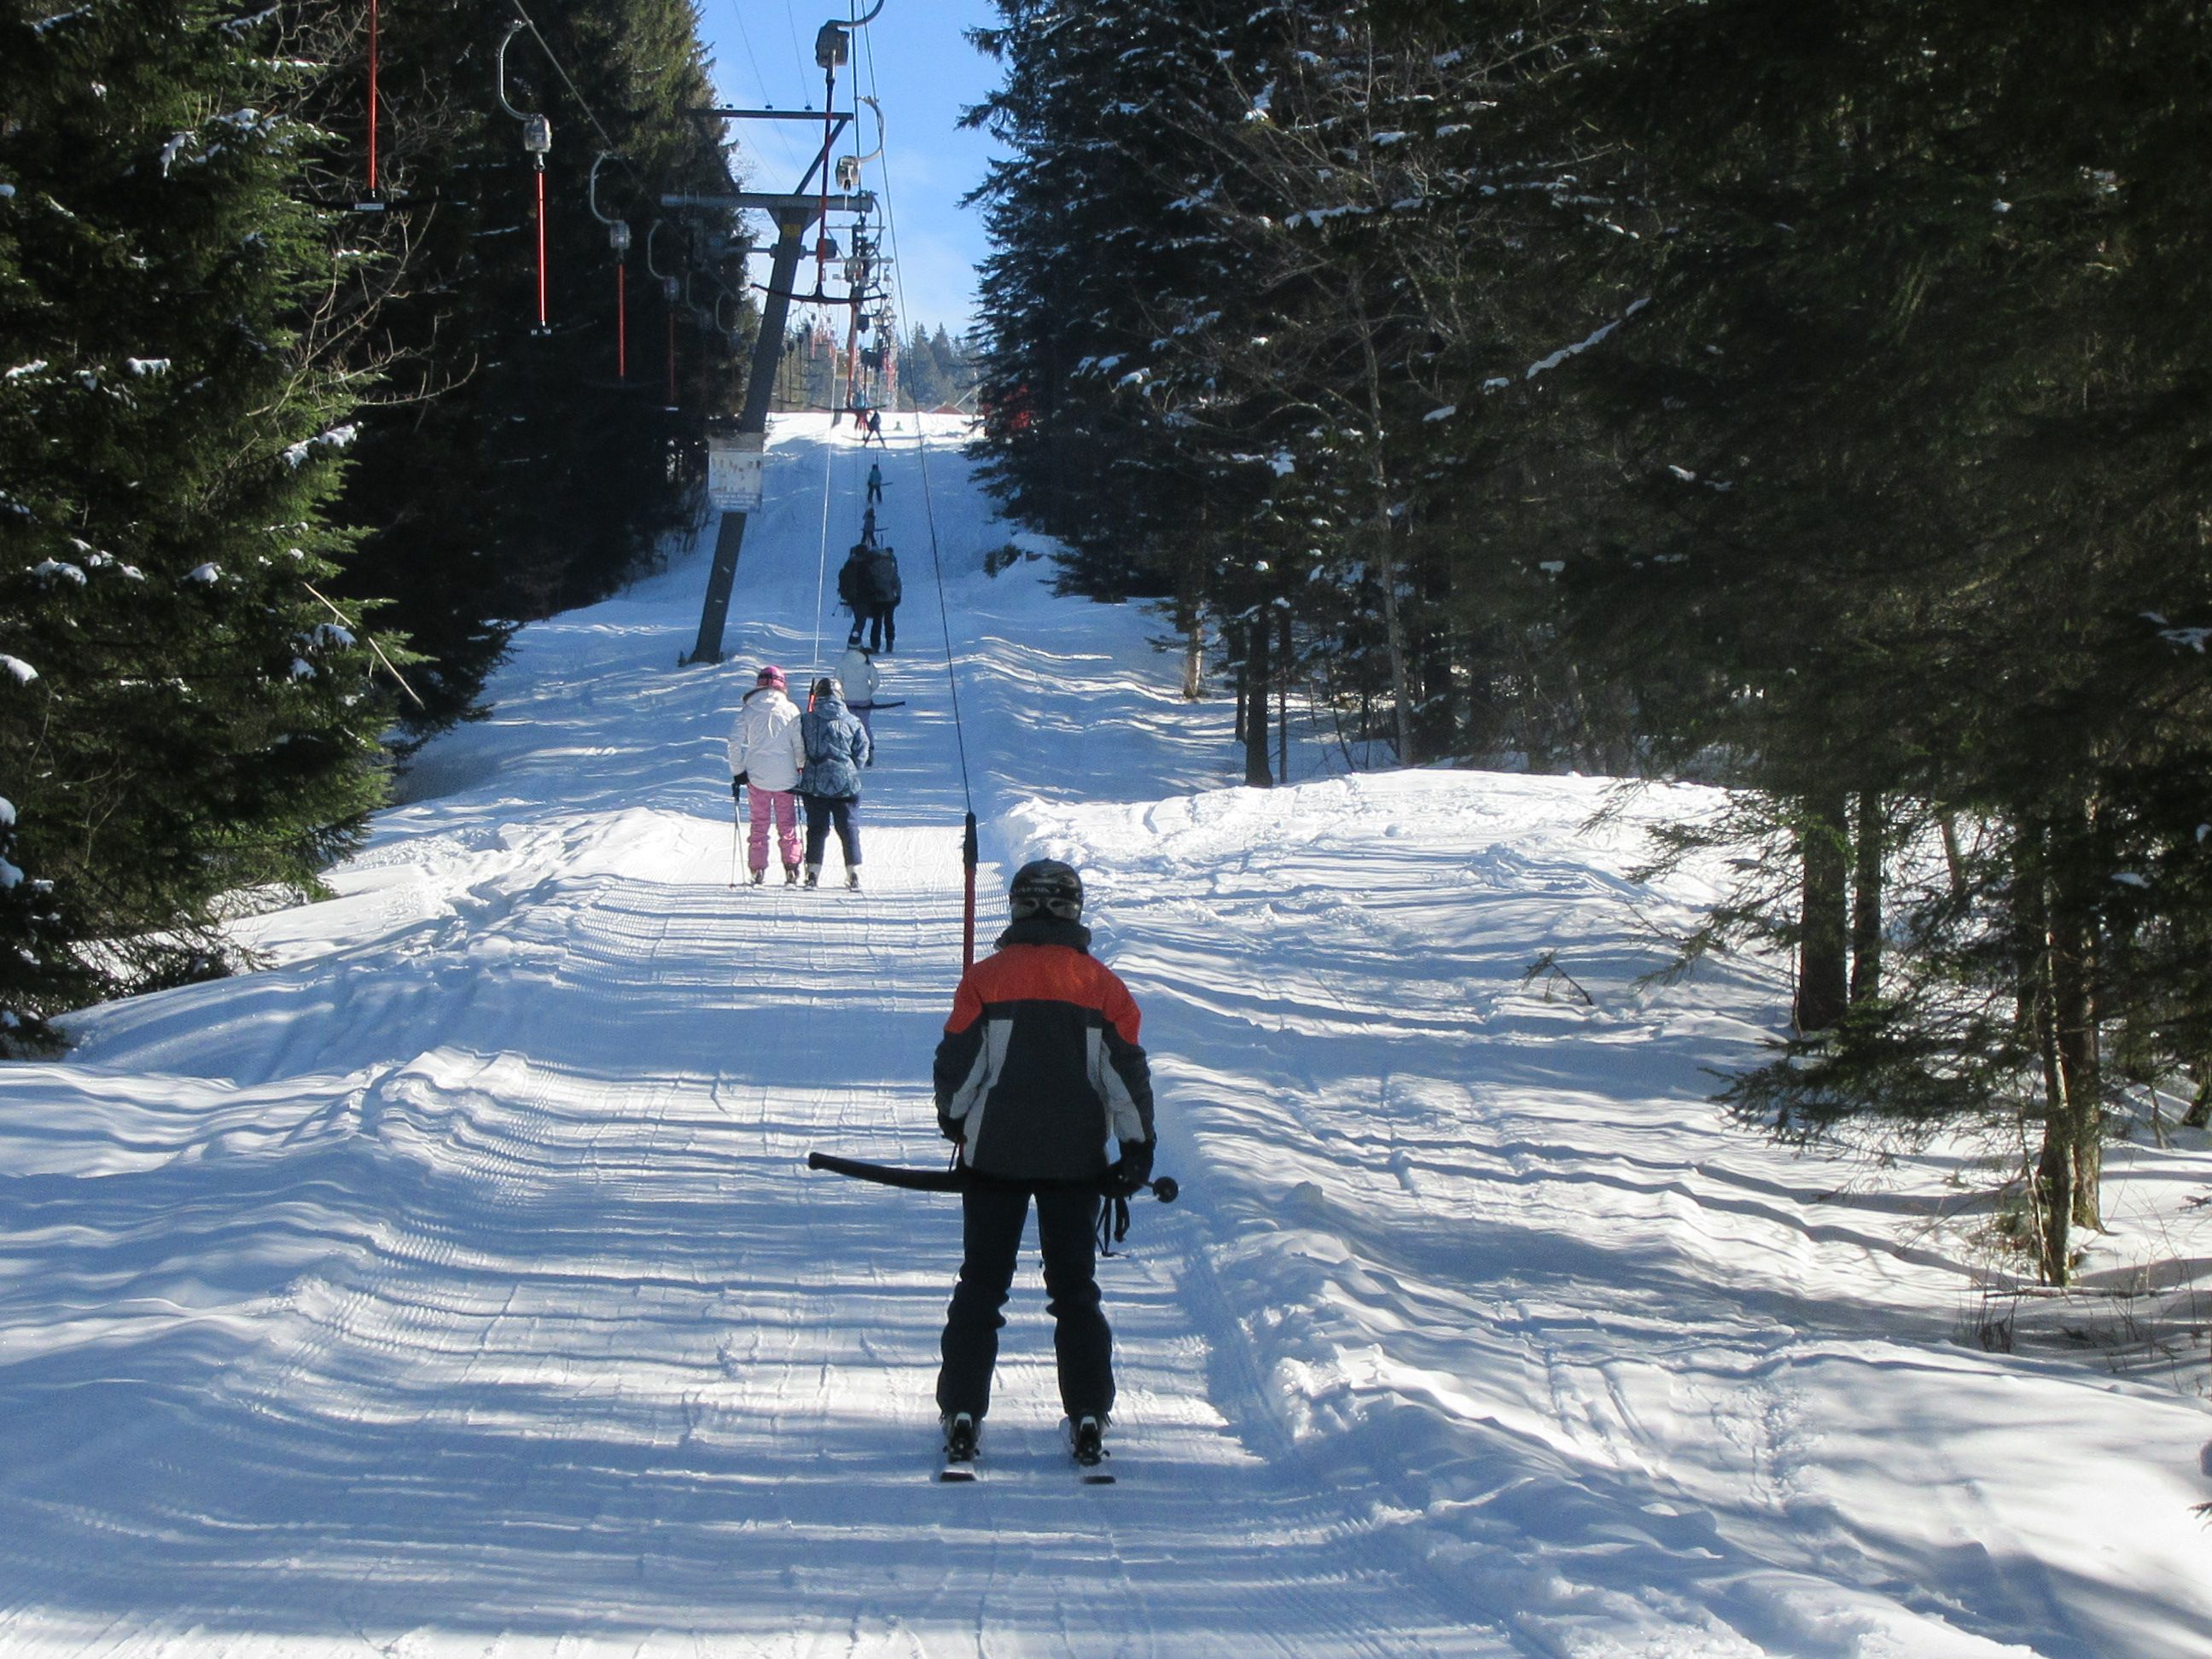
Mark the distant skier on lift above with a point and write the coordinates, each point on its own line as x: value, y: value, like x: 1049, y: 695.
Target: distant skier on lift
x: 875, y: 482
x: 1038, y: 1068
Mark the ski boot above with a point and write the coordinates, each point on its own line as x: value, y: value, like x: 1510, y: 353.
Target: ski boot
x: 1086, y: 1444
x: 759, y: 876
x: 959, y: 1448
x: 790, y: 875
x: 813, y: 876
x: 852, y: 880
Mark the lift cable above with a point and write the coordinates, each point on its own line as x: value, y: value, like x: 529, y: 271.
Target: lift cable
x: 890, y: 237
x: 598, y: 126
x: 821, y: 553
x: 969, y: 840
x: 746, y: 39
x: 584, y: 103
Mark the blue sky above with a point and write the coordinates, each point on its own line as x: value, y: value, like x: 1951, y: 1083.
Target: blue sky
x: 914, y: 60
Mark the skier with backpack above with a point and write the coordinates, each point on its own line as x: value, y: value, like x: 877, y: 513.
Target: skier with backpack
x: 853, y: 585
x: 1039, y: 1066
x: 880, y: 592
x: 836, y: 747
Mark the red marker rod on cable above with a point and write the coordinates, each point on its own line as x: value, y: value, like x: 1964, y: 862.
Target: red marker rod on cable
x: 372, y: 33
x: 968, y: 912
x: 538, y: 142
x: 541, y: 248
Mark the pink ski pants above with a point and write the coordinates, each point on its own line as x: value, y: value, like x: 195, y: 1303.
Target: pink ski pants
x: 783, y: 804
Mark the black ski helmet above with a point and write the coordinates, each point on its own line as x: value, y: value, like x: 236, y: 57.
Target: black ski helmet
x: 1047, y: 887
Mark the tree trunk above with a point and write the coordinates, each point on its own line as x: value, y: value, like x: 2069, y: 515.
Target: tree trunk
x: 2199, y: 1116
x: 1583, y: 744
x: 1953, y: 860
x: 1823, y: 990
x: 1190, y: 611
x: 1235, y: 640
x: 2070, y: 1172
x: 1435, y: 704
x: 1870, y: 841
x: 1393, y: 631
x: 2081, y: 1064
x: 1256, y: 774
x: 2053, y: 1187
x: 1285, y: 656
x: 1386, y: 553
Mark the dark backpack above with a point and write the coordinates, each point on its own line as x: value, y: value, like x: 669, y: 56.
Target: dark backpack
x: 884, y: 588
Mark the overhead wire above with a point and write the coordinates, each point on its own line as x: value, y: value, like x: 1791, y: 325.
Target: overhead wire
x: 830, y: 449
x: 921, y: 439
x: 760, y: 80
x: 574, y: 92
x: 821, y: 554
x: 798, y: 56
x: 600, y: 126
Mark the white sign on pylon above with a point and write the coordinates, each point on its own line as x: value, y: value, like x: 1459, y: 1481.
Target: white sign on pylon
x: 734, y: 463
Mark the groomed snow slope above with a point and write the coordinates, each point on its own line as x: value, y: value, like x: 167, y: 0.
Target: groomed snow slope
x: 454, y: 1287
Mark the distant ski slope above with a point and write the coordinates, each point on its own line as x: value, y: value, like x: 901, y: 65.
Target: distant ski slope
x: 454, y: 1285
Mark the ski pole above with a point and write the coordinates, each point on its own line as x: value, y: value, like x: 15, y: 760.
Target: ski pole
x: 957, y: 1180
x: 736, y: 814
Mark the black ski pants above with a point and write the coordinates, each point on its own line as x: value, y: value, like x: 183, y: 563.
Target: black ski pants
x: 878, y: 624
x: 991, y: 1235
x: 822, y: 811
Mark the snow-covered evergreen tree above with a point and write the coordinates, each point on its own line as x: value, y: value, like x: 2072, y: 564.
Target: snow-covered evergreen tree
x: 1829, y: 429
x: 1913, y: 415
x: 183, y: 717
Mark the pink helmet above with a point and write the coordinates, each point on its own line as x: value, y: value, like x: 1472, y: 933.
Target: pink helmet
x: 771, y: 675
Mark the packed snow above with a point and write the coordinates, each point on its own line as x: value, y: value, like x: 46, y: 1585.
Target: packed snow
x: 454, y: 1285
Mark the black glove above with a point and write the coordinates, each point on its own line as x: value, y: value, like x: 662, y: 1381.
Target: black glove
x: 737, y: 783
x: 952, y: 1129
x: 1128, y: 1174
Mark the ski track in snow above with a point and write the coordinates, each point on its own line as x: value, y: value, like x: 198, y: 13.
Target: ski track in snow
x: 454, y: 1285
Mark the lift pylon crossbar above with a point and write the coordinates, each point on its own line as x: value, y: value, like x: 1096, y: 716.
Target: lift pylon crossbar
x: 760, y: 202
x: 841, y: 117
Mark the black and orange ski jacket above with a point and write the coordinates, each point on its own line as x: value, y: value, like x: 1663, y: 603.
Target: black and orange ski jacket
x: 1039, y: 1065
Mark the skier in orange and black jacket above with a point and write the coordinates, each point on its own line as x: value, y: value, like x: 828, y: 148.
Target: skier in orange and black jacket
x: 1038, y: 1068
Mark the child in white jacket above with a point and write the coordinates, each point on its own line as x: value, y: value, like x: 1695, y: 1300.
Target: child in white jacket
x: 767, y: 754
x: 858, y: 673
